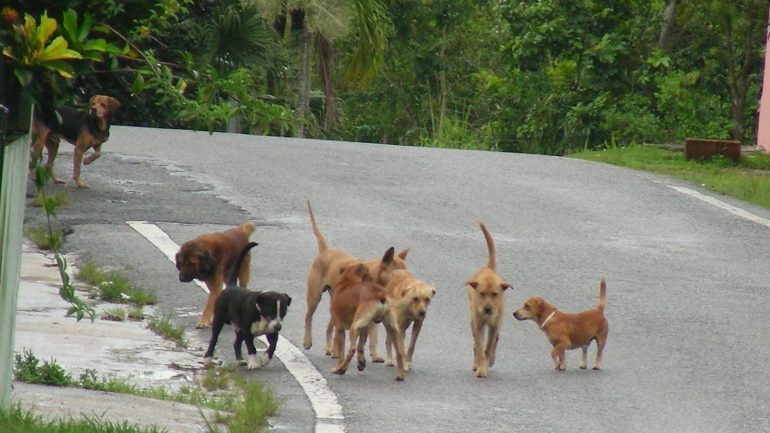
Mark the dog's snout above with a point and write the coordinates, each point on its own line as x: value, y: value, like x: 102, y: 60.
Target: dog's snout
x: 487, y: 310
x: 421, y: 313
x: 277, y: 327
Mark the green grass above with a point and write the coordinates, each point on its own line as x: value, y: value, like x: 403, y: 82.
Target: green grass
x: 43, y: 239
x: 58, y: 199
x: 18, y: 420
x: 747, y: 180
x: 136, y: 313
x: 242, y: 405
x: 166, y: 329
x: 111, y: 286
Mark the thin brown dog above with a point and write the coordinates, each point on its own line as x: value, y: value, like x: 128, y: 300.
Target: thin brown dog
x: 409, y: 299
x: 486, y: 300
x: 358, y: 304
x: 84, y: 129
x: 569, y: 331
x: 324, y: 273
x: 209, y: 257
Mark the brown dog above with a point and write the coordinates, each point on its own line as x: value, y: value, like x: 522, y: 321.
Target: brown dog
x: 84, y: 129
x: 569, y: 331
x: 358, y: 303
x: 409, y: 299
x: 324, y: 273
x: 209, y: 257
x: 486, y: 300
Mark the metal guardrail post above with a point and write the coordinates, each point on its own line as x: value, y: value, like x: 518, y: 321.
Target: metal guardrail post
x: 14, y: 160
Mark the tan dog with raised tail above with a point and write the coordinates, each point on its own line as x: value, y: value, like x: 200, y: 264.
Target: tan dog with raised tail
x: 486, y: 300
x: 324, y: 273
x: 569, y: 331
x: 409, y: 299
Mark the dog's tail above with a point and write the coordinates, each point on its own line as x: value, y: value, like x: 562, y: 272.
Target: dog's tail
x: 232, y: 278
x: 602, y: 296
x: 248, y: 228
x: 491, y: 262
x: 321, y: 241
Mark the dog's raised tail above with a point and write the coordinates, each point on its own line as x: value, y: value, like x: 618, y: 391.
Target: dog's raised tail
x: 602, y: 296
x: 321, y: 241
x: 491, y: 262
x: 232, y: 277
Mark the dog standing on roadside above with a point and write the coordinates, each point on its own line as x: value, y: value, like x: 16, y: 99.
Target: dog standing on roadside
x: 569, y: 331
x: 84, y: 129
x: 409, y: 299
x: 358, y: 303
x: 251, y: 314
x: 209, y: 257
x: 324, y: 273
x: 486, y: 300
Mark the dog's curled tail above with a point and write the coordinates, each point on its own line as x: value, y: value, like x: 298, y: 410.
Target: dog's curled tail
x: 491, y: 262
x: 232, y: 277
x: 321, y: 241
x: 248, y: 228
x: 602, y: 296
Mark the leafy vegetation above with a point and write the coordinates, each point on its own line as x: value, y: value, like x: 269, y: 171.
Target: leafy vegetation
x: 18, y: 420
x: 747, y: 180
x: 164, y: 327
x: 548, y: 76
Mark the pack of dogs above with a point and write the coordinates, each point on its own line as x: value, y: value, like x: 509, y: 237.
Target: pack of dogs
x: 363, y: 293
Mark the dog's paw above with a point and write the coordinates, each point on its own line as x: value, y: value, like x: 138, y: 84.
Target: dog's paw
x: 264, y: 360
x: 377, y: 359
x: 400, y: 377
x: 340, y: 371
x: 252, y: 363
x: 208, y: 362
x: 389, y: 362
x: 482, y: 372
x: 361, y: 366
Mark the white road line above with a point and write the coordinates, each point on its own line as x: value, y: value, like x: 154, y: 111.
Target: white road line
x: 328, y: 412
x: 722, y: 205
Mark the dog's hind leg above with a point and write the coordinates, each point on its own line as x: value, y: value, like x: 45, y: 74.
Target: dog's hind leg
x: 376, y: 357
x: 215, y: 330
x: 330, y: 350
x: 244, y: 273
x: 344, y: 361
x: 238, y: 345
x: 52, y: 148
x: 600, y: 343
x: 314, y: 292
x: 362, y: 334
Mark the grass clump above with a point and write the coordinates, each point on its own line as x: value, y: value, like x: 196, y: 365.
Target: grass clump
x: 28, y: 368
x: 136, y: 313
x: 44, y: 239
x: 748, y: 179
x: 57, y: 199
x: 166, y: 329
x: 116, y: 314
x: 111, y: 286
x: 17, y: 420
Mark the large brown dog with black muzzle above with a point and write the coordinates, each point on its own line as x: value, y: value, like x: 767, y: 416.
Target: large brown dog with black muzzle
x: 84, y: 129
x: 409, y: 299
x: 486, y: 300
x: 209, y: 257
x: 358, y: 303
x: 324, y: 273
x: 569, y: 331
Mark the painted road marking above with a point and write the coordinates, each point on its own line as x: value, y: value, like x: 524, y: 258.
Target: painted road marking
x: 328, y: 412
x: 722, y: 205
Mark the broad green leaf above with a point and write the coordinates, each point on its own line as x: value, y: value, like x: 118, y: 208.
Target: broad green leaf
x: 57, y: 50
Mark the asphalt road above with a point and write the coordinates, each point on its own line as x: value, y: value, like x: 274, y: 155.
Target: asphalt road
x: 687, y: 282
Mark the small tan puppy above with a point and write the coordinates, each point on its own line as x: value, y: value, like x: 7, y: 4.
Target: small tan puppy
x: 486, y: 299
x: 358, y: 304
x: 324, y: 273
x: 409, y: 299
x: 569, y: 331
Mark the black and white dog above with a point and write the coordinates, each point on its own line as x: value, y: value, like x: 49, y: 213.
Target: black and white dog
x: 251, y: 313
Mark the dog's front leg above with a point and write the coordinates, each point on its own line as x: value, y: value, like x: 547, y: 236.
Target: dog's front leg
x: 94, y: 156
x: 389, y: 350
x: 252, y: 362
x: 557, y: 354
x: 416, y: 327
x: 376, y: 357
x: 480, y: 365
x: 272, y: 341
x: 339, y: 347
x: 77, y: 161
x: 329, y: 345
x: 215, y: 330
x: 492, y: 339
x: 393, y: 332
x: 215, y: 288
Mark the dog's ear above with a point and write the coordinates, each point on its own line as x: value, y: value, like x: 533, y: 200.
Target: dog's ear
x: 207, y: 264
x: 113, y: 104
x: 388, y: 257
x: 403, y: 253
x: 474, y: 284
x: 288, y: 299
x: 434, y: 292
x: 505, y: 285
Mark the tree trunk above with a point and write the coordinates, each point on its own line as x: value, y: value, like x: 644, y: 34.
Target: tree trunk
x: 325, y: 67
x: 303, y: 107
x: 669, y: 18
